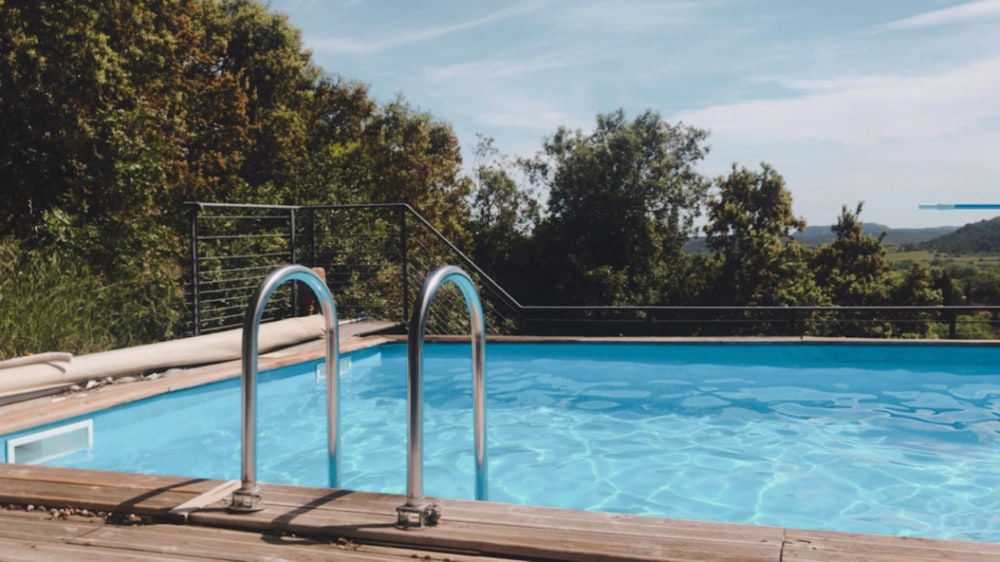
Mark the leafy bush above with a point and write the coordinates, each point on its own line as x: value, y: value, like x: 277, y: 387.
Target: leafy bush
x: 49, y: 302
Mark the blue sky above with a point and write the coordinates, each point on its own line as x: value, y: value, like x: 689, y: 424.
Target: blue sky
x: 890, y: 102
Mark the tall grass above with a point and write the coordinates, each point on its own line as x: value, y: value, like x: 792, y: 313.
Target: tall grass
x: 49, y: 302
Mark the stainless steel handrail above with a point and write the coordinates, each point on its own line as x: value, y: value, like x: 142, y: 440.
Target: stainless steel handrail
x: 417, y: 511
x: 248, y: 497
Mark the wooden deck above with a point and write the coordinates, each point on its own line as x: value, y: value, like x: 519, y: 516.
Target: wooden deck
x: 186, y: 519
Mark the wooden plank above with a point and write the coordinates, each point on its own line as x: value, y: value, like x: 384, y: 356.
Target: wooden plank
x: 514, y: 515
x: 475, y: 527
x: 528, y: 542
x: 97, y: 498
x: 121, y: 480
x: 36, y: 525
x: 806, y: 546
x: 32, y: 536
x: 224, y: 544
x: 211, y: 497
x: 32, y: 551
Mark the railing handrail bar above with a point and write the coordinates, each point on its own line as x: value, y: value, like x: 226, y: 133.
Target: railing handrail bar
x: 203, y: 205
x: 466, y: 260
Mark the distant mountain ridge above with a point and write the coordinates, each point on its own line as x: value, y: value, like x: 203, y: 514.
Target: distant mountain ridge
x: 819, y: 235
x: 981, y: 237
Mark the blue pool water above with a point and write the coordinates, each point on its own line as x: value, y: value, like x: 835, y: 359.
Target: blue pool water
x: 900, y: 439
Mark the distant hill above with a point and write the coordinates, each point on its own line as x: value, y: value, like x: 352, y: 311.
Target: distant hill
x: 819, y: 235
x: 981, y: 237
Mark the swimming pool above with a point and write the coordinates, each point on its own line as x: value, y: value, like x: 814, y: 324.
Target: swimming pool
x: 899, y: 439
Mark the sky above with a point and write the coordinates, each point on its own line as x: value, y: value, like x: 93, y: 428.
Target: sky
x: 889, y: 102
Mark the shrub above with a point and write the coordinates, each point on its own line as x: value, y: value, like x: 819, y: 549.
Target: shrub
x: 49, y: 302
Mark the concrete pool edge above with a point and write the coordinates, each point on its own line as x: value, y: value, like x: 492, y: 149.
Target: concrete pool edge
x: 469, y: 528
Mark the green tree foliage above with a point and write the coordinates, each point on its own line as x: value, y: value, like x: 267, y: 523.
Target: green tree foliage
x: 406, y: 156
x: 622, y: 203
x: 749, y: 230
x: 853, y: 269
x: 114, y: 113
x: 78, y: 314
x: 915, y: 288
x: 502, y: 215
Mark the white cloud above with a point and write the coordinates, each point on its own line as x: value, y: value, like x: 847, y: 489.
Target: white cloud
x: 970, y: 12
x: 401, y: 38
x: 478, y: 72
x: 865, y: 109
x: 626, y: 17
x: 890, y: 140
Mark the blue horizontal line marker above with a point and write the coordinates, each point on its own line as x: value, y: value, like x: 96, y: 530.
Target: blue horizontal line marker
x: 959, y: 206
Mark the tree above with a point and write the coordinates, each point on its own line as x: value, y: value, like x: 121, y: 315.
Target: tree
x: 502, y: 215
x: 114, y: 113
x: 749, y: 232
x: 407, y: 156
x: 915, y: 288
x: 852, y: 269
x: 622, y: 203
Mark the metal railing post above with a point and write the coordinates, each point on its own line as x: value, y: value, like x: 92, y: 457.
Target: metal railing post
x: 404, y: 242
x: 312, y: 237
x: 195, y: 270
x: 293, y: 259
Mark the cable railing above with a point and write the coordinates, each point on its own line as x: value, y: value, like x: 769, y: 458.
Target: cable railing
x: 791, y: 321
x: 374, y: 258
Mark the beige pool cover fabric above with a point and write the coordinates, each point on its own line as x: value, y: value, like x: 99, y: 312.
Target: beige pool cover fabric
x: 197, y: 350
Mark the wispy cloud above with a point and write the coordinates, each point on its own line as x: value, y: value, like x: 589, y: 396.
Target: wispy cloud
x: 972, y: 11
x: 503, y: 93
x: 347, y: 45
x: 627, y: 16
x: 482, y: 72
x: 866, y: 109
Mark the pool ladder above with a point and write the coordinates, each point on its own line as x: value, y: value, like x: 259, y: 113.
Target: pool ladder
x: 247, y: 498
x: 417, y: 511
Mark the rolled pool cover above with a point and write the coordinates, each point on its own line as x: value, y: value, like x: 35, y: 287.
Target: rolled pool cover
x: 34, y: 374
